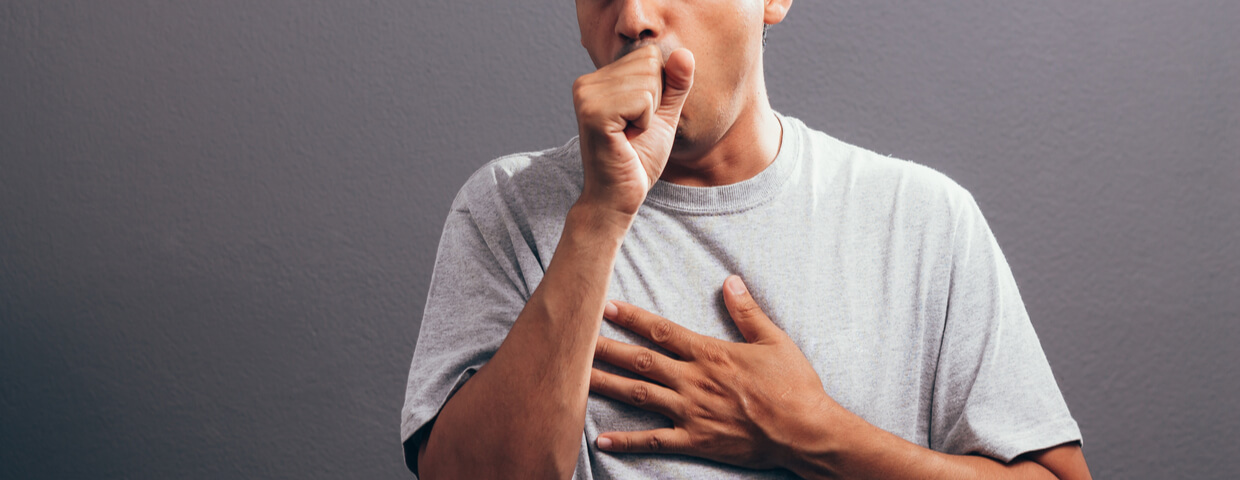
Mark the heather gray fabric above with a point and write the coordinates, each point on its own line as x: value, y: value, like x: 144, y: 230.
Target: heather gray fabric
x: 883, y: 271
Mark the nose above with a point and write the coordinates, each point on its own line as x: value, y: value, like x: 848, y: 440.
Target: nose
x: 637, y: 20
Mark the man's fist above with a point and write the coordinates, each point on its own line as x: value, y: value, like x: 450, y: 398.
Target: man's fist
x: 627, y: 113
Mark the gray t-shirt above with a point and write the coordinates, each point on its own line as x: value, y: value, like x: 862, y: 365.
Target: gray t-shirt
x: 882, y: 271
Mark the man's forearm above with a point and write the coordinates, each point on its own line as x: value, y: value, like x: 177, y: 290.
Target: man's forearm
x: 868, y: 452
x: 524, y: 411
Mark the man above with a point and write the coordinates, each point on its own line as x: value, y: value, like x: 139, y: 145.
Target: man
x: 871, y: 330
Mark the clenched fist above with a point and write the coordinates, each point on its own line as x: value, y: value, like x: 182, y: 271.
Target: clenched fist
x: 627, y: 114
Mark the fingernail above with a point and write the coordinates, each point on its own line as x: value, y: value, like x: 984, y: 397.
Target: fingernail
x: 735, y: 285
x: 604, y: 442
x: 610, y: 311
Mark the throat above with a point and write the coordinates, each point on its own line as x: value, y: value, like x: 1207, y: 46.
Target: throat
x: 742, y: 152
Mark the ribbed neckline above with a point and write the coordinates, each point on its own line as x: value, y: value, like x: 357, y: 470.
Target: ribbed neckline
x: 738, y: 196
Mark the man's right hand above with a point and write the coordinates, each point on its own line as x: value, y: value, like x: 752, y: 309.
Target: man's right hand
x: 627, y: 113
x: 540, y: 374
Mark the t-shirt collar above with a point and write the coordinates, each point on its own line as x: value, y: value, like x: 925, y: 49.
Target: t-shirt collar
x: 738, y: 196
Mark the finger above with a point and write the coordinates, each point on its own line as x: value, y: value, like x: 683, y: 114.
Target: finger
x: 643, y: 72
x: 636, y: 108
x: 663, y: 332
x: 745, y: 312
x: 677, y: 81
x: 664, y: 440
x: 643, y: 395
x: 645, y: 64
x: 642, y: 361
x: 629, y: 90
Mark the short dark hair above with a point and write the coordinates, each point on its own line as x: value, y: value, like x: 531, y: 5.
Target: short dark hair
x: 765, y: 27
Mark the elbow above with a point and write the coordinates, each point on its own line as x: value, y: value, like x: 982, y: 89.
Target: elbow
x: 411, y: 454
x: 434, y: 465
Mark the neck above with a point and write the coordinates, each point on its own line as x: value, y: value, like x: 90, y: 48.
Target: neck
x: 745, y: 149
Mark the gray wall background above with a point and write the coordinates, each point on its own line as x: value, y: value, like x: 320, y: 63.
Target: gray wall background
x: 218, y: 219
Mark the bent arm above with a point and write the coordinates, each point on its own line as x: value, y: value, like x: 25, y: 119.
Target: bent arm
x: 868, y: 452
x: 524, y: 411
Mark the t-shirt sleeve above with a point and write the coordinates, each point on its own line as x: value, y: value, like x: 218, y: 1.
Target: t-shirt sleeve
x: 994, y: 393
x: 475, y: 295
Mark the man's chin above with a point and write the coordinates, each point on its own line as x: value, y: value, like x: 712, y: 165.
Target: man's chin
x: 681, y: 142
x: 683, y: 137
x: 687, y: 139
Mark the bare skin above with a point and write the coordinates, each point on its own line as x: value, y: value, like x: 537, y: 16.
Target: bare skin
x: 678, y: 96
x: 535, y: 386
x: 727, y: 131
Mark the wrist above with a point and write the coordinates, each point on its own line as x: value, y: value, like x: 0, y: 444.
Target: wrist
x: 600, y: 218
x: 620, y: 196
x: 815, y: 449
x: 850, y: 447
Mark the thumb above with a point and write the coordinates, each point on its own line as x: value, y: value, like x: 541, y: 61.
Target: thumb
x: 748, y: 316
x: 677, y: 80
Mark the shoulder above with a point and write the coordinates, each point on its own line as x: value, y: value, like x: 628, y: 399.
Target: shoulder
x: 882, y: 181
x: 545, y: 178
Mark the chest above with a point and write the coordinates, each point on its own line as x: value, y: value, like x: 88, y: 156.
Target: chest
x: 865, y: 308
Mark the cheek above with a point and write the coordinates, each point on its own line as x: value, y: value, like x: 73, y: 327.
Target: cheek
x: 723, y: 77
x: 729, y: 56
x: 593, y: 37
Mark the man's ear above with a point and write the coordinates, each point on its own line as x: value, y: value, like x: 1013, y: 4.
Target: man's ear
x: 775, y: 11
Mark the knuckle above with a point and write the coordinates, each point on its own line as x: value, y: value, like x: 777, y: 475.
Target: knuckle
x: 644, y: 361
x: 655, y: 443
x: 628, y: 318
x: 662, y: 332
x: 655, y: 87
x: 650, y: 50
x: 640, y: 394
x: 713, y: 353
x: 653, y: 62
x: 748, y: 309
x: 586, y: 108
x: 581, y: 90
